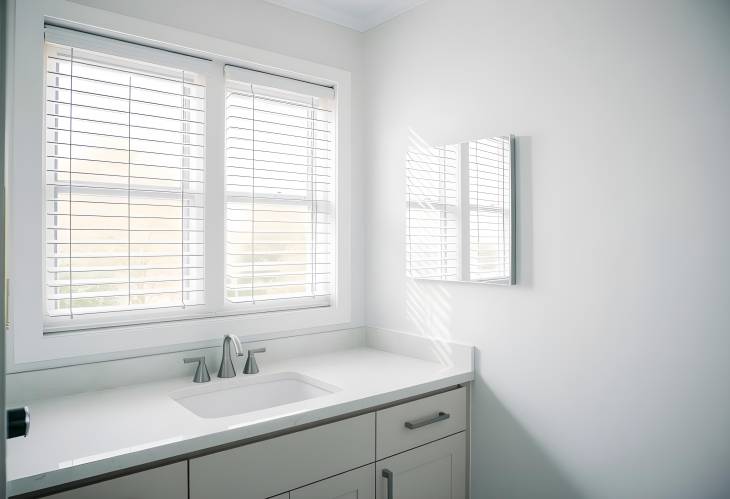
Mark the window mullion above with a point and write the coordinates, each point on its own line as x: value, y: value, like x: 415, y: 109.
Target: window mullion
x: 215, y: 212
x: 463, y: 214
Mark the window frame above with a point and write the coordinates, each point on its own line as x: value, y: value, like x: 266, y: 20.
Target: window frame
x: 171, y: 331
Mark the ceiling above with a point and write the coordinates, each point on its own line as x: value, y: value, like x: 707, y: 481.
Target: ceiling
x: 360, y: 15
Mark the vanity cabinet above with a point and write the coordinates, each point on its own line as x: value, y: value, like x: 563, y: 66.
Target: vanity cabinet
x: 412, y: 450
x: 433, y: 471
x: 165, y: 482
x: 420, y: 443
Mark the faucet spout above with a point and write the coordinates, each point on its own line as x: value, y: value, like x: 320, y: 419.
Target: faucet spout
x: 227, y: 369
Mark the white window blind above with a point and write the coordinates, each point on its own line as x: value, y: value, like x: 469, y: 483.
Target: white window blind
x: 431, y: 218
x: 490, y: 255
x: 124, y: 184
x: 279, y: 190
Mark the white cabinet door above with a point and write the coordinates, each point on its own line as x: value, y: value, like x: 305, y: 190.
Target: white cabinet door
x: 433, y: 471
x: 270, y: 467
x: 355, y: 484
x: 166, y: 482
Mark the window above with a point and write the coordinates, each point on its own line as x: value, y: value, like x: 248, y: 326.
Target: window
x: 163, y: 196
x: 460, y: 211
x: 125, y: 176
x: 125, y: 189
x: 279, y: 199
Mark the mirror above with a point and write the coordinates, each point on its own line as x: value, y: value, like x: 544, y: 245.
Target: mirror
x: 460, y: 215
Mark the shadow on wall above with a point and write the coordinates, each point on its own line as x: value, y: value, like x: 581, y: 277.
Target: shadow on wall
x: 428, y: 309
x: 507, y: 462
x: 428, y: 303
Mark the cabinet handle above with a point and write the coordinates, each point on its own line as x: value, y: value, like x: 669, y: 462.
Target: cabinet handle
x: 441, y: 416
x: 388, y: 475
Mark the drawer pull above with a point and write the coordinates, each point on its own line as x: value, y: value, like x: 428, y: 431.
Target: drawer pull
x: 441, y: 416
x: 388, y: 475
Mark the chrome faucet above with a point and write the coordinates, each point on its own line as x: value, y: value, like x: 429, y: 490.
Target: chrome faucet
x: 227, y: 370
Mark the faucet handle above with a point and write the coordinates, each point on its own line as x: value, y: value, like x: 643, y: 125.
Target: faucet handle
x: 252, y: 366
x: 201, y: 373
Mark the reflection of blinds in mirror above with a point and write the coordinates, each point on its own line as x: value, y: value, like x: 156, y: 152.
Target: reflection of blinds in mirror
x: 431, y: 225
x: 489, y: 209
x: 124, y: 184
x: 279, y: 190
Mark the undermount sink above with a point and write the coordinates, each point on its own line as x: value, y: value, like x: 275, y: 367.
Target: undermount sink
x: 228, y: 397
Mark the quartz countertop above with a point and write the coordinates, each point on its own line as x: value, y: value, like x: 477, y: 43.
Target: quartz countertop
x: 88, y: 434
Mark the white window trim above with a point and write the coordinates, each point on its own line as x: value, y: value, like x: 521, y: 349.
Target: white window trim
x: 28, y: 342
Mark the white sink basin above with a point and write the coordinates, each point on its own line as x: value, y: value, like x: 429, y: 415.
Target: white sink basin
x: 227, y: 397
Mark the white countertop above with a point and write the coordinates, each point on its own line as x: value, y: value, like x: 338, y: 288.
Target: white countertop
x: 87, y: 434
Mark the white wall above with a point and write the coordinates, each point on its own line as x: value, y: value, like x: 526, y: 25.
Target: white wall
x: 250, y: 22
x: 606, y: 372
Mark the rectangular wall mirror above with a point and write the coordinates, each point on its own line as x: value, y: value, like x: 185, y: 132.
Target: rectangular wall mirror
x: 460, y: 211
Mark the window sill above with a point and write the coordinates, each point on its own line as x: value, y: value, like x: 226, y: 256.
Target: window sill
x: 72, y: 346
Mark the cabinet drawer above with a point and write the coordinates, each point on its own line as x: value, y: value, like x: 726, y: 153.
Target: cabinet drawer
x: 166, y: 482
x: 270, y: 467
x: 433, y: 471
x: 421, y: 421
